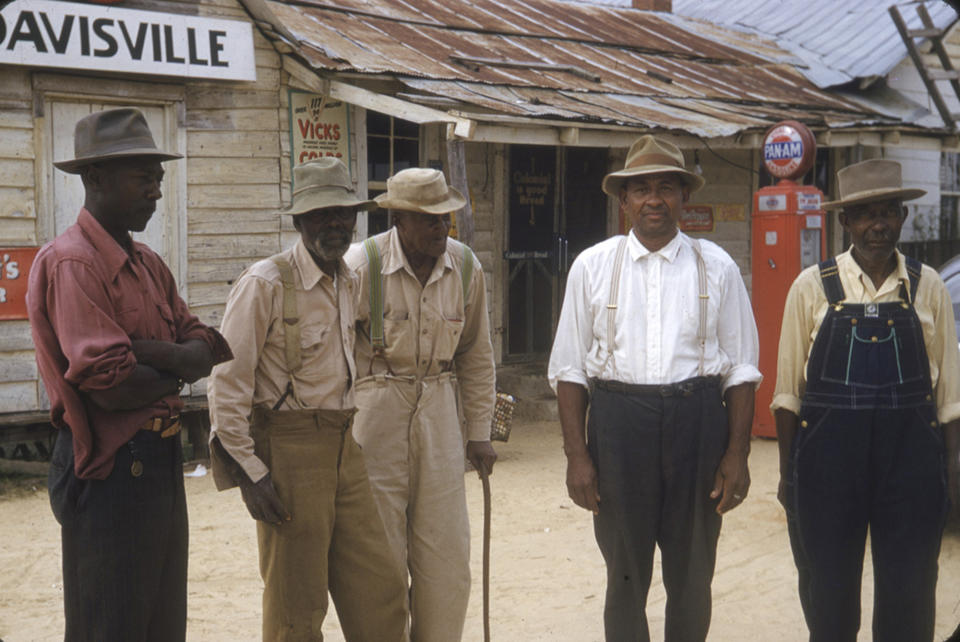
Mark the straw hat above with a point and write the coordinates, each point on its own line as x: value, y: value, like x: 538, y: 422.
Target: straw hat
x: 419, y: 189
x: 114, y: 133
x: 869, y: 181
x: 650, y: 155
x: 324, y: 182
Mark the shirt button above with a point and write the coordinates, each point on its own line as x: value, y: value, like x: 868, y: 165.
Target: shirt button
x: 933, y: 424
x: 425, y: 332
x: 424, y: 299
x: 929, y: 397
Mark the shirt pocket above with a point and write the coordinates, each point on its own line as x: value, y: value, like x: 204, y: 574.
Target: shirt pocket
x: 398, y: 336
x: 313, y: 338
x: 447, y: 339
x: 129, y: 320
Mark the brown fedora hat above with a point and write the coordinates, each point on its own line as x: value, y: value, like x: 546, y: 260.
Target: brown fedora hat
x: 870, y: 181
x: 114, y: 133
x: 650, y: 155
x: 419, y: 189
x: 324, y: 182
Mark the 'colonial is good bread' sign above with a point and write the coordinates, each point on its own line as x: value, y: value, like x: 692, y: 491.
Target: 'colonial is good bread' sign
x: 69, y: 35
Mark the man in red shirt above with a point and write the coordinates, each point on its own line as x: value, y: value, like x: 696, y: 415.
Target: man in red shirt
x: 115, y: 344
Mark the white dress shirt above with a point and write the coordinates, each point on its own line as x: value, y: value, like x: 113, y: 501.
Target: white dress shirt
x: 657, y: 317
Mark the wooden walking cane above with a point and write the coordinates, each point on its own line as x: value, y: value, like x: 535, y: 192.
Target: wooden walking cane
x: 486, y: 553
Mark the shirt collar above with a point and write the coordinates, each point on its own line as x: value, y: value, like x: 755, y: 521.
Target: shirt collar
x: 395, y: 259
x: 310, y: 272
x: 892, y: 282
x: 112, y: 253
x: 668, y: 252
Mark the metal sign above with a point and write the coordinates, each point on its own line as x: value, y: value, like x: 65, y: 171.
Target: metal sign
x: 68, y: 35
x: 14, y: 267
x: 788, y: 150
x: 318, y: 127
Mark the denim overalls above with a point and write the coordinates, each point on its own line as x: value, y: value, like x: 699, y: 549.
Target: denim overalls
x: 868, y: 451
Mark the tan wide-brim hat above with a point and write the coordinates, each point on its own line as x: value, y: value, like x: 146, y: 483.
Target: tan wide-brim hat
x: 650, y: 155
x: 324, y: 182
x: 419, y: 189
x: 870, y: 181
x: 114, y: 133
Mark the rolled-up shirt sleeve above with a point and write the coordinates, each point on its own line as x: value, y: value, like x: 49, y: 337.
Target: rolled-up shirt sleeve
x: 737, y: 331
x: 246, y: 322
x: 946, y: 357
x: 574, y: 336
x: 97, y: 349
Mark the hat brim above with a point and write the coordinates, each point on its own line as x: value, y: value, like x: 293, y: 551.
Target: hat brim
x: 322, y: 201
x: 454, y: 201
x: 613, y: 181
x: 870, y: 196
x: 74, y: 166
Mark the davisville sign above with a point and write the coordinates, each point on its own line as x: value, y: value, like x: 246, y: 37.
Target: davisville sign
x: 69, y: 35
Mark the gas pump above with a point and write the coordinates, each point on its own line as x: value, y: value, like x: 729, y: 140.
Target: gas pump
x: 787, y: 236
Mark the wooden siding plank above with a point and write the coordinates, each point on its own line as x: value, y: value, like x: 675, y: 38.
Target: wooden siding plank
x: 17, y: 143
x: 208, y: 293
x: 232, y: 171
x: 265, y: 119
x: 233, y: 221
x: 16, y: 119
x: 18, y: 396
x: 228, y: 196
x: 209, y: 96
x: 15, y: 335
x: 16, y: 172
x: 224, y: 271
x: 233, y: 144
x: 18, y: 366
x: 253, y: 246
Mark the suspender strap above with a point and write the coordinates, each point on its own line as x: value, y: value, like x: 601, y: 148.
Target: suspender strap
x: 376, y: 295
x: 612, y: 302
x: 704, y: 300
x: 291, y: 325
x: 830, y: 276
x: 914, y: 269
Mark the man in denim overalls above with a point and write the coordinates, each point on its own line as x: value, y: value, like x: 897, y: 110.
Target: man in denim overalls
x: 868, y: 419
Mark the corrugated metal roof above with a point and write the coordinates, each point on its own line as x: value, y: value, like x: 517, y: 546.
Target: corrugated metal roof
x: 585, y: 63
x: 837, y: 40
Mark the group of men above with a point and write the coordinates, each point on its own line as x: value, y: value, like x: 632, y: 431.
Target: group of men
x: 352, y: 466
x: 338, y: 374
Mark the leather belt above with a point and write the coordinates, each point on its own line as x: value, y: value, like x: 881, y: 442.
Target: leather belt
x: 166, y: 426
x: 680, y: 389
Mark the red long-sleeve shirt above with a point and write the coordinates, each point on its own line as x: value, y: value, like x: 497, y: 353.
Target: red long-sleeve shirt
x: 87, y: 299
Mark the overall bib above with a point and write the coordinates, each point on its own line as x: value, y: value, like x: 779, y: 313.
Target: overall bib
x: 868, y: 452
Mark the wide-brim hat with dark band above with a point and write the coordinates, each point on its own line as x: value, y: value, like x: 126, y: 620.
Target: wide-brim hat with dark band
x: 114, y: 133
x: 870, y: 181
x: 419, y: 189
x: 324, y: 182
x: 650, y: 155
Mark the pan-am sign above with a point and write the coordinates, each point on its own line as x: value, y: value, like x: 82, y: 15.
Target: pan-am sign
x: 68, y: 35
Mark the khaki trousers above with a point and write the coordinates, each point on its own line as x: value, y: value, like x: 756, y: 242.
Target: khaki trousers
x: 414, y: 450
x: 335, y: 540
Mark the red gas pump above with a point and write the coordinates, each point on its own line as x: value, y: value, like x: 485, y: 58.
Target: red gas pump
x: 788, y: 235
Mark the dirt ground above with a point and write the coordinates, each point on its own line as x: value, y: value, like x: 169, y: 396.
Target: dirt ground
x: 547, y: 576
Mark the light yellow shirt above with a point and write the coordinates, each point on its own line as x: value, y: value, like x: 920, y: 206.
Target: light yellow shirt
x: 428, y: 329
x: 806, y: 307
x: 257, y: 376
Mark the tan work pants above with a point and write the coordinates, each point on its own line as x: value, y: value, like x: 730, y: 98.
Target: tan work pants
x: 414, y: 450
x: 335, y: 539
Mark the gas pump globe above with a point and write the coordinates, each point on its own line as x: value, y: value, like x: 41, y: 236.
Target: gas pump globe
x: 788, y: 235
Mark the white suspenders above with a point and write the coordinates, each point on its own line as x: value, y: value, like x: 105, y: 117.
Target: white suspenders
x: 615, y: 291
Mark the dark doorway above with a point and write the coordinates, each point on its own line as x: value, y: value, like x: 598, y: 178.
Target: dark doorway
x: 551, y: 222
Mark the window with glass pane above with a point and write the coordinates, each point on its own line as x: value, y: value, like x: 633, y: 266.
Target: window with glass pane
x: 392, y: 145
x: 949, y: 195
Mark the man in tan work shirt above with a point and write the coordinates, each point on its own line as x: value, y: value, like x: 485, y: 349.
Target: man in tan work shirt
x: 427, y: 333
x: 281, y: 419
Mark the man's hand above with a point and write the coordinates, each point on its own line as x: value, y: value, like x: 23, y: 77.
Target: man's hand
x: 263, y: 502
x: 582, y: 481
x: 732, y: 481
x: 481, y: 455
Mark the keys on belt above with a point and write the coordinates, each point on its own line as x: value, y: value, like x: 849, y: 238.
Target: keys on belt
x: 166, y: 426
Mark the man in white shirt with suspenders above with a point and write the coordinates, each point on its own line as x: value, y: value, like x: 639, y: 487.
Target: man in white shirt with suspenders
x: 422, y: 333
x: 657, y: 335
x: 281, y: 418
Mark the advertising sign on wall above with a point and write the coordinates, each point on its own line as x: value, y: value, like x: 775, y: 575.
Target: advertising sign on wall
x: 14, y: 267
x: 69, y: 35
x: 318, y: 127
